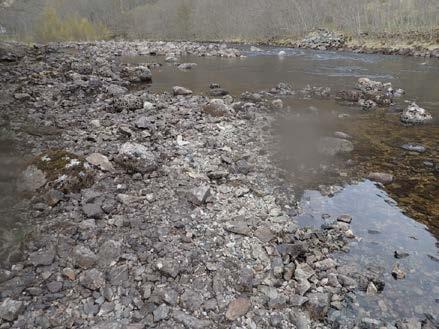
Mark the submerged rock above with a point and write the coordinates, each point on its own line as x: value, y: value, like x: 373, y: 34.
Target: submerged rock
x: 186, y: 66
x: 414, y: 148
x: 331, y: 146
x: 379, y: 177
x: 415, y: 115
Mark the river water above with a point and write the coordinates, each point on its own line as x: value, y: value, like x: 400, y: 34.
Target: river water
x: 403, y: 216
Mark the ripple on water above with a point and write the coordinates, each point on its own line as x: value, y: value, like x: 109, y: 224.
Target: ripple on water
x: 382, y: 229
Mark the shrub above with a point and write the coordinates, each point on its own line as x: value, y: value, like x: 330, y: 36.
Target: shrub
x: 51, y: 27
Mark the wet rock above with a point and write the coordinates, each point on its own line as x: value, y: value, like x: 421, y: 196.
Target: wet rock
x: 331, y: 146
x: 414, y: 148
x: 100, y: 161
x: 277, y: 104
x: 383, y: 178
x: 181, y: 91
x: 10, y: 309
x: 218, y: 92
x: 345, y: 218
x: 135, y: 157
x: 161, y: 313
x: 199, y: 195
x: 401, y: 254
x: 84, y: 257
x: 282, y: 53
x: 397, y: 272
x: 340, y: 134
x: 237, y: 308
x: 186, y: 66
x: 415, y: 115
x: 137, y: 74
x: 371, y: 289
x: 217, y: 108
x: 92, y: 279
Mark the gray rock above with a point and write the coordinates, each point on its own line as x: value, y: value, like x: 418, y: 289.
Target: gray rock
x: 317, y: 305
x: 55, y: 286
x: 199, y: 195
x: 10, y: 309
x: 109, y: 252
x: 401, y: 254
x: 128, y: 102
x: 345, y: 218
x: 218, y: 92
x: 100, y: 161
x: 42, y: 258
x: 181, y: 91
x: 414, y: 148
x: 84, y: 257
x: 191, y: 322
x: 168, y: 266
x: 92, y: 279
x: 191, y: 300
x: 136, y: 158
x: 368, y: 323
x: 31, y: 180
x: 186, y: 66
x: 303, y: 271
x: 331, y: 146
x: 217, y: 108
x: 93, y: 210
x: 161, y: 313
x: 302, y: 286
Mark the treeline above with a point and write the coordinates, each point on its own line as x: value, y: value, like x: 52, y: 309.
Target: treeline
x: 226, y: 19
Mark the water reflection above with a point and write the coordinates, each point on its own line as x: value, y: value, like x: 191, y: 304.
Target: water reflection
x: 382, y: 229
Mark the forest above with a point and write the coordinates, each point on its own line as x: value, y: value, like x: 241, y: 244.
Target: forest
x: 232, y: 20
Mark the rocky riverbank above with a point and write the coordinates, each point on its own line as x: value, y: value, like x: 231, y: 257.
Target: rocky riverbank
x: 404, y: 44
x: 159, y: 210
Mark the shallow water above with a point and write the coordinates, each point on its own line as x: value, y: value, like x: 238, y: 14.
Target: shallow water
x: 382, y: 229
x: 382, y: 224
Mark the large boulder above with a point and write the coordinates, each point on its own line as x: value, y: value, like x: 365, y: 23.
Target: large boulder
x: 135, y: 157
x: 137, y: 74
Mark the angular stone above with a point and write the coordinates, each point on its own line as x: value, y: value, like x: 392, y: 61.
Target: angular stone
x: 199, y: 195
x: 84, y: 257
x: 92, y: 279
x: 161, y: 313
x: 190, y: 321
x: 397, y: 272
x: 100, y: 161
x: 303, y: 271
x: 109, y: 252
x: 93, y: 210
x: 42, y: 258
x: 264, y: 234
x: 317, y: 305
x: 31, y: 180
x: 237, y: 308
x: 10, y: 309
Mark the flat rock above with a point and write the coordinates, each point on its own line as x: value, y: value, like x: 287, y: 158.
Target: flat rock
x: 379, y: 177
x: 331, y: 146
x: 414, y: 147
x: 10, y: 309
x: 101, y: 161
x: 237, y: 308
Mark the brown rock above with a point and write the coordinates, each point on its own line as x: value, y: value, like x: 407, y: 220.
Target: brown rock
x: 237, y: 308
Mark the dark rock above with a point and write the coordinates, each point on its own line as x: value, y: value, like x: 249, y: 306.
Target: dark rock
x: 317, y: 305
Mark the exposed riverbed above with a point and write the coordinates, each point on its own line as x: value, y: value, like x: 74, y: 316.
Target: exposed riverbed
x: 169, y: 210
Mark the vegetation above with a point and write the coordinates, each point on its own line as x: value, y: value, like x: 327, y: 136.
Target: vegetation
x: 212, y: 20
